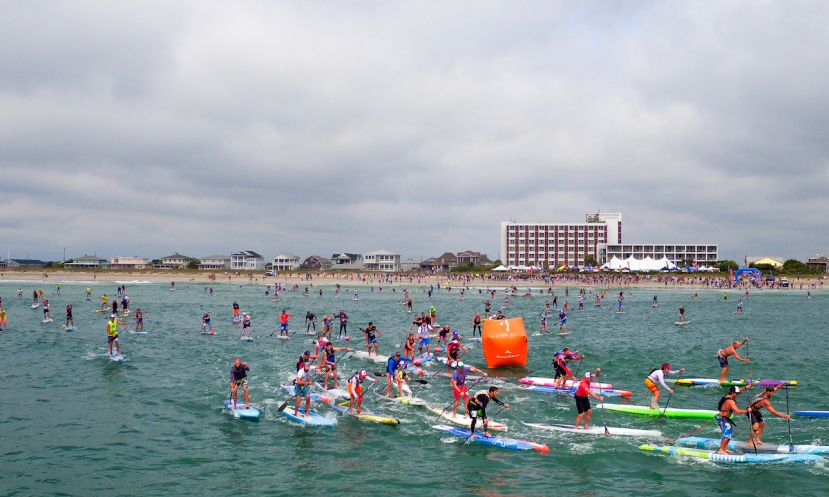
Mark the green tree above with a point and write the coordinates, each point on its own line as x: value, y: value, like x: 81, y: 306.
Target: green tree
x: 193, y: 264
x: 725, y: 265
x: 794, y: 266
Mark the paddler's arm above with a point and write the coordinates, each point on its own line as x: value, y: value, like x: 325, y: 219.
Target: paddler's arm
x: 773, y: 411
x: 476, y: 370
x: 597, y: 397
x: 741, y: 359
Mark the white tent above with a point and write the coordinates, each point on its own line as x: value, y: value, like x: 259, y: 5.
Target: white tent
x: 664, y: 263
x: 614, y: 264
x: 500, y: 268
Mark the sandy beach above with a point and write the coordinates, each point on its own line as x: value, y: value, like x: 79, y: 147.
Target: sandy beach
x: 715, y: 281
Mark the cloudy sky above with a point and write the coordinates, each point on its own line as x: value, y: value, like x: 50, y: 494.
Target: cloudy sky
x: 318, y: 127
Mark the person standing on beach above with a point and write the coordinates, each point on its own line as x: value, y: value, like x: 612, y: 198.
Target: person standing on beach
x: 724, y: 353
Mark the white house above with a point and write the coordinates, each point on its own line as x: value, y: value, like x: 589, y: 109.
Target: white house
x: 127, y: 262
x: 381, y: 260
x: 215, y: 263
x: 411, y: 263
x: 175, y: 261
x: 285, y: 261
x: 87, y: 262
x: 246, y: 260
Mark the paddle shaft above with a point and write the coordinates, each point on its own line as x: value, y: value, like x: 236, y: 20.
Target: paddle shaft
x: 665, y: 409
x: 788, y: 422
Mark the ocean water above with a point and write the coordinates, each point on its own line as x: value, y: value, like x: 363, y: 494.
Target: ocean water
x: 74, y: 423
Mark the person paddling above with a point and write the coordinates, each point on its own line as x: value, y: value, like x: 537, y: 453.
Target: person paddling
x: 302, y: 388
x: 759, y: 402
x: 239, y: 378
x: 727, y: 407
x: 476, y: 408
x: 458, y: 382
x: 355, y: 389
x: 582, y: 401
x: 560, y: 361
x: 393, y: 367
x: 657, y: 375
x: 724, y: 353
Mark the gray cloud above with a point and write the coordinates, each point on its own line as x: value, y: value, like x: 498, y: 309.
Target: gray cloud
x: 315, y: 127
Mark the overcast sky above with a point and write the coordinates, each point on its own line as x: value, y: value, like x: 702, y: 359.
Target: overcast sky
x: 321, y: 127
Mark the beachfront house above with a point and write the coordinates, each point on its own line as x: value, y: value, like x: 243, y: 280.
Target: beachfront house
x: 175, y: 261
x: 775, y: 262
x: 411, y: 264
x: 819, y: 263
x: 215, y: 263
x: 87, y: 262
x: 127, y: 262
x: 316, y: 262
x: 473, y: 258
x: 285, y: 261
x: 246, y: 260
x: 21, y: 263
x: 445, y: 262
x: 381, y: 260
x: 347, y: 260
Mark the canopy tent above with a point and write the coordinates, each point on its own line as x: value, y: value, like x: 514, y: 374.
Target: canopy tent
x: 500, y: 268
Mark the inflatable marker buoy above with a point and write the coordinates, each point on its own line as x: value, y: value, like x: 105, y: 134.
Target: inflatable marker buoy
x: 504, y: 342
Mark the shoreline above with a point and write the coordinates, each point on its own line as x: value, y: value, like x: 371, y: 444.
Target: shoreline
x: 365, y: 280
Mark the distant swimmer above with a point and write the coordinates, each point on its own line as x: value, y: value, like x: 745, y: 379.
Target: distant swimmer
x: 727, y: 407
x: 724, y: 353
x: 758, y: 402
x: 657, y: 377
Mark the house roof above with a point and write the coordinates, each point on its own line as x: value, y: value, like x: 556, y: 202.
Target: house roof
x: 381, y: 252
x: 27, y: 262
x: 176, y: 256
x: 222, y: 257
x: 286, y: 255
x: 91, y: 258
x: 247, y: 253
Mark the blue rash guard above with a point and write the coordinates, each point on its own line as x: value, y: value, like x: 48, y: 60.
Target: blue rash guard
x: 394, y: 364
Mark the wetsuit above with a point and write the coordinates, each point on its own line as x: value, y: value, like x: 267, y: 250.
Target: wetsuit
x: 477, y: 408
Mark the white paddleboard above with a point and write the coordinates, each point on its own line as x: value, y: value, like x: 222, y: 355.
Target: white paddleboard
x: 142, y: 333
x: 681, y: 323
x: 69, y: 328
x: 599, y: 430
x: 116, y: 357
x: 461, y: 419
x: 35, y: 306
x: 246, y: 338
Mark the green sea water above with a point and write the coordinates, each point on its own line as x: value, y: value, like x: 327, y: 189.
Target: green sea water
x: 74, y: 423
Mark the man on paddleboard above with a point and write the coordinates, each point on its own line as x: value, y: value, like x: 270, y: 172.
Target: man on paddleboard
x: 724, y: 353
x: 727, y: 408
x: 239, y: 378
x: 476, y: 408
x: 302, y: 388
x: 560, y: 361
x: 583, y: 402
x: 355, y: 389
x: 112, y: 333
x: 394, y: 366
x: 657, y: 375
x: 758, y: 402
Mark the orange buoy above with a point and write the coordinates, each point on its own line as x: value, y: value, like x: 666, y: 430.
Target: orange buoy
x: 504, y: 342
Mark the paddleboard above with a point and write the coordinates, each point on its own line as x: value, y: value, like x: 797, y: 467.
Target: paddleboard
x: 681, y: 323
x: 237, y: 320
x: 362, y: 354
x: 551, y: 382
x: 714, y: 443
x: 445, y: 360
x: 208, y: 333
x: 405, y: 400
x: 367, y: 416
x: 337, y: 393
x: 495, y: 441
x: 732, y: 383
x: 283, y: 337
x: 813, y: 414
x: 44, y: 321
x: 69, y: 328
x: 312, y: 419
x: 142, y: 333
x: 246, y: 338
x: 116, y: 357
x: 608, y: 392
x: 325, y: 399
x: 670, y: 412
x: 461, y: 419
x: 599, y: 430
x: 730, y: 458
x: 241, y: 411
x: 35, y: 306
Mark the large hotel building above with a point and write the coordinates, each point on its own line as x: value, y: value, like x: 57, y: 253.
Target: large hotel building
x: 533, y: 244
x: 600, y: 236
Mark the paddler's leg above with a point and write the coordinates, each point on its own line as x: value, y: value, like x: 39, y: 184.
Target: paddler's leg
x: 727, y: 433
x: 724, y: 366
x: 388, y: 384
x: 233, y: 392
x: 247, y: 398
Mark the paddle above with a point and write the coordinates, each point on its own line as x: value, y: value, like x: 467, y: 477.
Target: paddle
x: 282, y: 407
x: 788, y: 422
x: 749, y: 363
x: 383, y: 375
x: 606, y: 431
x: 665, y: 409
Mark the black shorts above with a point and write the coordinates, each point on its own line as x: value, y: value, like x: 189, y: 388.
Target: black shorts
x: 755, y: 417
x: 582, y: 404
x: 112, y: 338
x: 723, y: 361
x: 559, y: 371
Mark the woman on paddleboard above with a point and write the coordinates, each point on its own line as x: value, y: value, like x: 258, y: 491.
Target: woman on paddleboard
x: 657, y: 375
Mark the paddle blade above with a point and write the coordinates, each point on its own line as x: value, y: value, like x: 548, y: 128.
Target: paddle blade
x: 282, y: 407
